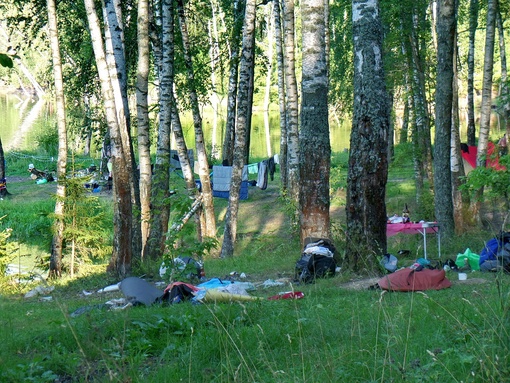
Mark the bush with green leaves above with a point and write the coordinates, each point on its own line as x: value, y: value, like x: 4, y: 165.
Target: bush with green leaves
x: 496, y: 183
x: 85, y: 222
x: 7, y: 249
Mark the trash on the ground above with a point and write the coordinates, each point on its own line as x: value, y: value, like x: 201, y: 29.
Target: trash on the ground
x: 468, y: 259
x: 48, y: 298
x: 389, y: 262
x: 215, y: 295
x: 110, y: 288
x: 317, y: 260
x: 271, y: 283
x: 185, y: 267
x: 287, y: 295
x: 139, y: 291
x: 39, y: 290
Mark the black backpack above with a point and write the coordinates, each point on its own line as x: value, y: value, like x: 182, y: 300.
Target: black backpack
x: 316, y: 264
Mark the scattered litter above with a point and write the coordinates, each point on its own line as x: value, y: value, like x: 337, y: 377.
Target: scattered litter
x: 107, y: 289
x: 85, y: 309
x: 46, y: 299
x: 287, y: 295
x: 271, y: 283
x: 242, y: 276
x: 139, y: 291
x: 215, y: 295
x: 39, y: 290
x: 116, y: 302
x: 234, y: 288
x: 129, y: 304
x: 86, y: 293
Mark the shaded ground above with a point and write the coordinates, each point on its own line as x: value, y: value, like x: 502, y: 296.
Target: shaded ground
x: 264, y: 213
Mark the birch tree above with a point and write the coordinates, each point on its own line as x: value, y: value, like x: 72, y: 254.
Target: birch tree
x: 116, y: 62
x: 368, y: 163
x: 269, y: 72
x: 281, y: 92
x: 460, y: 197
x: 238, y: 7
x: 315, y: 148
x: 161, y: 177
x: 292, y: 104
x: 142, y: 108
x: 473, y: 25
x: 486, y: 105
x: 443, y: 203
x: 245, y: 73
x: 58, y: 225
x: 120, y: 262
x: 201, y: 152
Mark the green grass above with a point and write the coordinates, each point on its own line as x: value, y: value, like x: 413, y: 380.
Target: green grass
x: 334, y: 334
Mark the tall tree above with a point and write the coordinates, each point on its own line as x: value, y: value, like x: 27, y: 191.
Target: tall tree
x: 281, y: 92
x: 201, y: 151
x: 142, y: 108
x: 120, y: 263
x: 505, y: 91
x: 314, y: 145
x: 269, y: 74
x: 161, y: 178
x: 486, y: 106
x: 446, y: 29
x: 58, y: 226
x: 292, y: 105
x: 473, y: 25
x: 117, y: 67
x: 459, y: 196
x: 238, y: 8
x: 368, y: 162
x: 245, y: 73
x: 421, y: 128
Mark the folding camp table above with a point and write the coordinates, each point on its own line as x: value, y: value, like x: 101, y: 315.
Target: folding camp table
x: 423, y: 228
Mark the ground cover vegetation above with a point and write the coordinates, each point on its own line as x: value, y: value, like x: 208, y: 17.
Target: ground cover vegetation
x: 340, y: 331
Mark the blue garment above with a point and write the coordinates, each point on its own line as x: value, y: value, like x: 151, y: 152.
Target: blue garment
x: 489, y: 251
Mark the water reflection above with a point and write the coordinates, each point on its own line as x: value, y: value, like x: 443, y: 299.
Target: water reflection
x: 20, y: 115
x: 23, y: 118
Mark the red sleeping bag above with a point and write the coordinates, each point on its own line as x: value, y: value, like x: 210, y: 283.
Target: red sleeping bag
x: 412, y: 280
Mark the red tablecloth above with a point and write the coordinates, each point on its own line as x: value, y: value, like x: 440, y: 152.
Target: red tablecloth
x: 408, y: 228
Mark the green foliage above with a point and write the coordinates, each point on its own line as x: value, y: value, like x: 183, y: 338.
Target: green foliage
x: 85, y: 221
x: 338, y: 171
x: 496, y: 183
x: 47, y: 140
x: 341, y: 62
x: 7, y: 249
x: 6, y: 60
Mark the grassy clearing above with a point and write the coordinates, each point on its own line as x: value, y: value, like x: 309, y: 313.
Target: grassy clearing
x: 340, y: 332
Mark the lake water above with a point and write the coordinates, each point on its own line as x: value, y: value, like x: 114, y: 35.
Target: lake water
x: 24, y: 118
